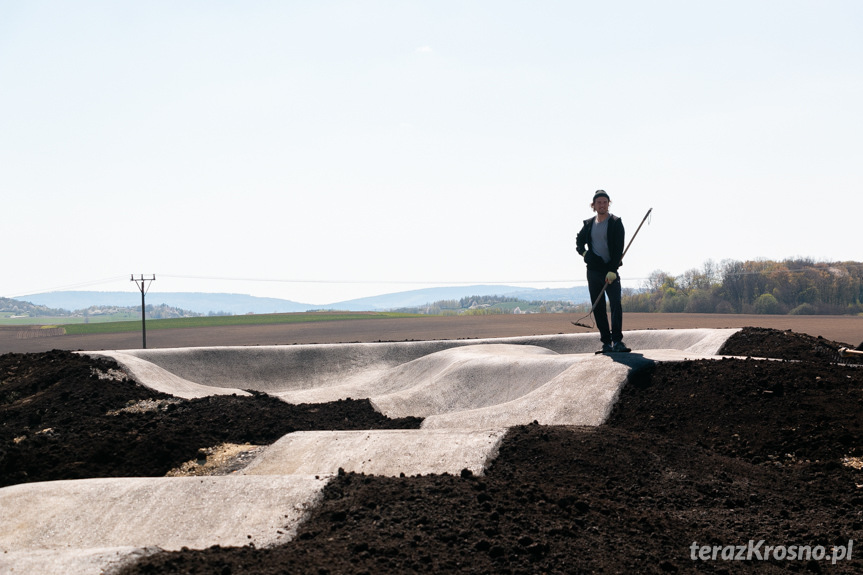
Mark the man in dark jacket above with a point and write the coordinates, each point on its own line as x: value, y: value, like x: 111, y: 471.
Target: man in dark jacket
x: 600, y: 241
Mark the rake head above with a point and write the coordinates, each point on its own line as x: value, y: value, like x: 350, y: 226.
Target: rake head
x: 846, y: 355
x: 579, y: 324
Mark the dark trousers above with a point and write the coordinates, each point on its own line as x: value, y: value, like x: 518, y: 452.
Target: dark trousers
x: 595, y: 282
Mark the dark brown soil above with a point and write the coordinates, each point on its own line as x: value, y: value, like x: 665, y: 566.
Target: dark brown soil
x: 766, y: 342
x: 715, y: 453
x: 756, y: 411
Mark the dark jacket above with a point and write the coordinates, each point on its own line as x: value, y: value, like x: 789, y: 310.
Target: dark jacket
x: 584, y: 241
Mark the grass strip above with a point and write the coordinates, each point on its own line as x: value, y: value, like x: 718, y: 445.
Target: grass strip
x: 226, y: 320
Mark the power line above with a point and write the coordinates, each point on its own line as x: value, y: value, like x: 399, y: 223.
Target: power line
x: 405, y: 282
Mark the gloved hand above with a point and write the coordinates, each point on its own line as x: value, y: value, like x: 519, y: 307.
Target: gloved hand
x: 610, y: 277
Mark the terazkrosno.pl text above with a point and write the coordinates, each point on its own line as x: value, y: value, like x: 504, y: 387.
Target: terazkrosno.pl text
x: 758, y: 551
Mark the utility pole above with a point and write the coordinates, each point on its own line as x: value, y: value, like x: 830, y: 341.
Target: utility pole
x: 142, y: 286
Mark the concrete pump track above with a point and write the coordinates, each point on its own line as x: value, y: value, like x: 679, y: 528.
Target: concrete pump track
x: 519, y: 455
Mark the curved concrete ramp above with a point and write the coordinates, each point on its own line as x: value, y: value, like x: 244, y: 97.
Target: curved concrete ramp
x: 166, y: 512
x: 321, y: 373
x: 582, y: 395
x: 160, y: 379
x: 450, y: 380
x: 389, y: 452
x: 698, y: 341
x: 97, y: 561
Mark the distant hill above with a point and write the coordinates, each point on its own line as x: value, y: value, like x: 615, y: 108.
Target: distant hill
x: 233, y: 304
x: 419, y: 297
x: 238, y: 304
x: 574, y: 295
x: 23, y: 308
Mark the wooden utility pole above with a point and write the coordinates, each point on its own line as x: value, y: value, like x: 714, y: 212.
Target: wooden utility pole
x: 142, y: 283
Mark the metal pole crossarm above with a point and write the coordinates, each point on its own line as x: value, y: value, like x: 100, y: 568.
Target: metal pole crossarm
x: 143, y: 289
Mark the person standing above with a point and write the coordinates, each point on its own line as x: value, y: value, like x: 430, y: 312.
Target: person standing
x: 600, y: 242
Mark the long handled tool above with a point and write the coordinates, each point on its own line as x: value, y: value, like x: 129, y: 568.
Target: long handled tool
x: 844, y: 353
x: 602, y: 293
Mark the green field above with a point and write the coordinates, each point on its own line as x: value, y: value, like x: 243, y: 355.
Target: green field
x: 508, y: 306
x: 223, y: 320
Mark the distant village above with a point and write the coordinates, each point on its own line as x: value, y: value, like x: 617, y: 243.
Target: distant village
x: 492, y: 305
x: 21, y: 309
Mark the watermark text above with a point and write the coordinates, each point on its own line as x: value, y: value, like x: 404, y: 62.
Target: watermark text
x: 758, y: 551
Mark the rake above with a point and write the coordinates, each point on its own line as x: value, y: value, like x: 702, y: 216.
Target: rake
x: 602, y: 293
x: 850, y: 354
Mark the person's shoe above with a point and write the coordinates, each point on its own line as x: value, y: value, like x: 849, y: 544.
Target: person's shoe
x: 606, y: 348
x: 620, y: 347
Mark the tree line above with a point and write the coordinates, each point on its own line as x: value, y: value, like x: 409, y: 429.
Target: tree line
x: 800, y: 286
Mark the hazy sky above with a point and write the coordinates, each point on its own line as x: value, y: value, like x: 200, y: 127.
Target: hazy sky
x: 350, y: 143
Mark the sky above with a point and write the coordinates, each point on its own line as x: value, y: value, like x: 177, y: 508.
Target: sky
x: 324, y: 151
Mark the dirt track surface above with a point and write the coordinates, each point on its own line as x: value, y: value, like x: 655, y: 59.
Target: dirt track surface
x: 712, y: 452
x: 848, y: 329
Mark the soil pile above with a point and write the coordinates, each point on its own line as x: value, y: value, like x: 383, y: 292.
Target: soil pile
x: 766, y: 342
x: 705, y: 453
x: 756, y: 411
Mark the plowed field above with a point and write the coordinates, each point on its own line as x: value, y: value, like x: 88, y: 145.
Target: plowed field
x: 838, y: 328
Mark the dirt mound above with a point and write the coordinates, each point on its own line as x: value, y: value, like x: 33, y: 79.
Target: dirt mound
x: 754, y: 410
x: 711, y: 453
x: 767, y: 342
